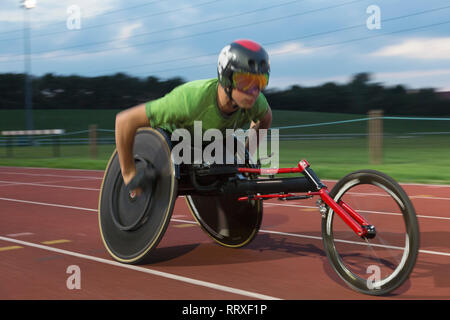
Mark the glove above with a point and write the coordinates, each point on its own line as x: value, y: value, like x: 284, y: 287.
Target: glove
x: 145, y: 177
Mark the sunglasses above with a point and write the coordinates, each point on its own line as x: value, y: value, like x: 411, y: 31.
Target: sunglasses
x: 248, y: 82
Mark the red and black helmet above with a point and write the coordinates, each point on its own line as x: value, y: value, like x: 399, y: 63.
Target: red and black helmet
x: 241, y: 56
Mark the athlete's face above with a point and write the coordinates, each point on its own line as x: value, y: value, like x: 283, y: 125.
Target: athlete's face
x: 245, y: 100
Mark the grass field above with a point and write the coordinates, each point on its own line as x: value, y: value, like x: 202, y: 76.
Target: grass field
x: 413, y: 150
x: 406, y: 162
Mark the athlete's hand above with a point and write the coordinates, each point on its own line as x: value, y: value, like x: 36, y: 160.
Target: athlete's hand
x: 127, y: 177
x: 144, y: 178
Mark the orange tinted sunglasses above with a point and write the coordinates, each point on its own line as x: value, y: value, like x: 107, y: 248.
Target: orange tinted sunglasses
x: 246, y: 82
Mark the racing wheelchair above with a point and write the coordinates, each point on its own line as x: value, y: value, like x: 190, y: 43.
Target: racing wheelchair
x: 369, y: 227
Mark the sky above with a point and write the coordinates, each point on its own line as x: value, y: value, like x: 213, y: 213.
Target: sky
x: 310, y: 42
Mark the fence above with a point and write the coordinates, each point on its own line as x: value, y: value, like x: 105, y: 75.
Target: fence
x: 23, y: 144
x: 373, y: 139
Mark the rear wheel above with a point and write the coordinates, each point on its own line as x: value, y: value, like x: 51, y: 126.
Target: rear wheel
x: 229, y: 222
x: 379, y: 265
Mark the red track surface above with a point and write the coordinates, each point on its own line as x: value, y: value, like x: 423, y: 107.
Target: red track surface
x: 285, y: 261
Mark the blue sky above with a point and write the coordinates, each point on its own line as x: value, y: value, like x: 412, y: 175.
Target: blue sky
x: 310, y: 41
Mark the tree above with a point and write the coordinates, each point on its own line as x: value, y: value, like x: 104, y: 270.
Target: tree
x: 120, y: 91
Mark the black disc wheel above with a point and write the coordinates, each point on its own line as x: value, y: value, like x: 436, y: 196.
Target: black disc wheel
x: 132, y: 225
x: 229, y: 222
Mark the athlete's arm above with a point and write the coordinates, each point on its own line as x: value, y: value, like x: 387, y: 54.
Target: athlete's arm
x: 264, y: 123
x: 127, y: 123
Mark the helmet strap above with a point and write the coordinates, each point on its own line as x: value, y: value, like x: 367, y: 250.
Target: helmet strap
x: 229, y: 91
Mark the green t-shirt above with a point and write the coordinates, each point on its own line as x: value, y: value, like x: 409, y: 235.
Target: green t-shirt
x: 197, y: 101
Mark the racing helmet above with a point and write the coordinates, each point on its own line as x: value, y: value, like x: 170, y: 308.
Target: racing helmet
x: 242, y: 56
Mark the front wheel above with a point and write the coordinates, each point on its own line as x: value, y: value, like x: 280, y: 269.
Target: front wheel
x: 379, y: 265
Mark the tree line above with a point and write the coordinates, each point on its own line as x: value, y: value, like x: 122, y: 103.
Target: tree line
x: 120, y: 91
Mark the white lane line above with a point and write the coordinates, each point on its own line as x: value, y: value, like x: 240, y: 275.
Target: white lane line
x: 408, y: 184
x: 428, y: 198
x: 49, y: 175
x: 44, y: 184
x: 7, y: 184
x: 365, y: 211
x: 48, y: 204
x: 146, y: 270
x: 51, y: 181
x: 297, y: 235
x: 435, y: 253
x: 20, y: 234
x: 101, y: 178
x: 193, y: 222
x: 102, y: 171
x: 268, y: 203
x: 363, y: 194
x: 48, y: 185
x: 56, y: 169
x: 274, y: 204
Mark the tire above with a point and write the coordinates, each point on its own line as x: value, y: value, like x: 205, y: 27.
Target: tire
x: 242, y: 220
x: 380, y: 265
x: 131, y: 228
x: 229, y: 222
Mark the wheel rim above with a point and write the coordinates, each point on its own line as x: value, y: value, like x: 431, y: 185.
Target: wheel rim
x: 384, y: 269
x: 129, y: 213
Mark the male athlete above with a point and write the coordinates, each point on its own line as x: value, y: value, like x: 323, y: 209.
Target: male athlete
x: 231, y: 101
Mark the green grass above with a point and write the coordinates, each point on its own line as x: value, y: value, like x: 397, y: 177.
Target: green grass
x: 423, y: 159
x: 71, y: 157
x: 63, y: 163
x: 282, y: 118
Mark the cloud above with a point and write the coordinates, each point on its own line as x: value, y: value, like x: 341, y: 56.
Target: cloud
x: 418, y: 48
x: 413, y: 74
x: 438, y: 78
x: 291, y: 48
x: 433, y: 78
x: 124, y: 34
x: 286, y: 82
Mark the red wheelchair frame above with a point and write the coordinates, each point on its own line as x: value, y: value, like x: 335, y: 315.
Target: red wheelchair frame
x: 355, y: 221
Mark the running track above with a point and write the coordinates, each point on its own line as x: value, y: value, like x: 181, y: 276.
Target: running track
x: 48, y: 222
